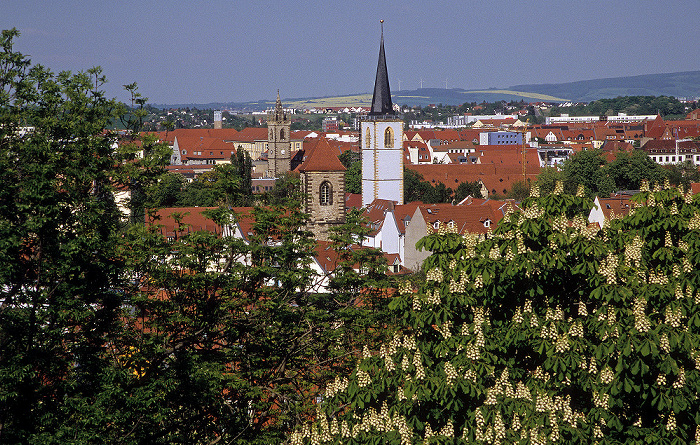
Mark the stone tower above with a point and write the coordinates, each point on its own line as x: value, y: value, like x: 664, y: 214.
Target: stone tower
x: 278, y: 145
x: 381, y: 142
x: 322, y: 178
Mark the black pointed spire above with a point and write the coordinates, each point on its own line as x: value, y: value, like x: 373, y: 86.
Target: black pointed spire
x: 381, y: 99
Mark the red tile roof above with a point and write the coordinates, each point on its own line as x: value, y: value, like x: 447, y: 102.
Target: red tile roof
x: 191, y: 220
x: 210, y: 148
x: 251, y: 134
x: 619, y: 205
x: 472, y: 219
x: 225, y: 134
x: 353, y: 200
x: 328, y: 258
x: 321, y: 158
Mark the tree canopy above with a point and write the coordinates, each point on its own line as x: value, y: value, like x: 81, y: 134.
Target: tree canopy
x: 547, y: 330
x: 113, y: 330
x: 599, y: 177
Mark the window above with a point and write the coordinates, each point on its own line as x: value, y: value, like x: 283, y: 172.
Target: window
x: 389, y: 138
x: 282, y: 134
x: 325, y: 194
x: 368, y: 139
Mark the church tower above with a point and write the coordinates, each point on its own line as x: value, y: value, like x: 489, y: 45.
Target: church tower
x: 278, y: 145
x: 381, y: 142
x: 322, y: 178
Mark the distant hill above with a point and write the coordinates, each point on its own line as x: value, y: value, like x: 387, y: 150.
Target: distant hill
x: 685, y: 84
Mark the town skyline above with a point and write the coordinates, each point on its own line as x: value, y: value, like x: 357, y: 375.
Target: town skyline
x: 247, y: 51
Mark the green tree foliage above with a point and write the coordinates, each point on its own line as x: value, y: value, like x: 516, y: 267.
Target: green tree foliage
x: 286, y: 191
x: 585, y: 168
x: 629, y: 170
x: 167, y: 192
x: 548, y: 178
x: 357, y: 290
x: 416, y: 189
x: 115, y: 333
x: 683, y: 173
x: 632, y: 105
x: 519, y: 191
x: 233, y: 181
x: 58, y: 224
x: 359, y: 269
x: 591, y: 169
x: 226, y: 184
x: 465, y: 189
x: 546, y: 331
x: 353, y: 173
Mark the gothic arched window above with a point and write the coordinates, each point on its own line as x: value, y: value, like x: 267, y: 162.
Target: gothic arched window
x: 389, y: 138
x: 368, y: 139
x: 282, y: 134
x: 325, y: 196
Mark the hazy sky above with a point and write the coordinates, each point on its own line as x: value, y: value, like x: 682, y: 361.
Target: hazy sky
x: 207, y: 51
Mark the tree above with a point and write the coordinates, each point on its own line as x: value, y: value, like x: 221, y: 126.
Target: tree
x: 413, y: 185
x: 628, y: 170
x: 233, y: 181
x: 58, y: 263
x: 353, y: 173
x: 360, y: 271
x: 416, y: 189
x: 548, y: 178
x: 167, y: 192
x: 585, y: 168
x: 683, y: 173
x: 519, y: 191
x: 465, y: 189
x: 546, y: 331
x: 286, y: 191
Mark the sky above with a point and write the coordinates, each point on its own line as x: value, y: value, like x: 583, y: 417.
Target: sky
x: 234, y: 51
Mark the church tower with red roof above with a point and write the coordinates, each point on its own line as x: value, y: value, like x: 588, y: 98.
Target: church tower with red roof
x: 322, y: 178
x: 381, y: 142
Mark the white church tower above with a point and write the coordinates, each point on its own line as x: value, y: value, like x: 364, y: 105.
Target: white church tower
x: 381, y: 142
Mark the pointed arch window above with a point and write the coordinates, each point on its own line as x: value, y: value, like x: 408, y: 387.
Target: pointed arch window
x: 389, y: 138
x: 325, y: 196
x: 282, y: 134
x: 368, y: 139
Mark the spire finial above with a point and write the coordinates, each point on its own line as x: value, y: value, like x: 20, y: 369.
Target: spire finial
x: 381, y: 99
